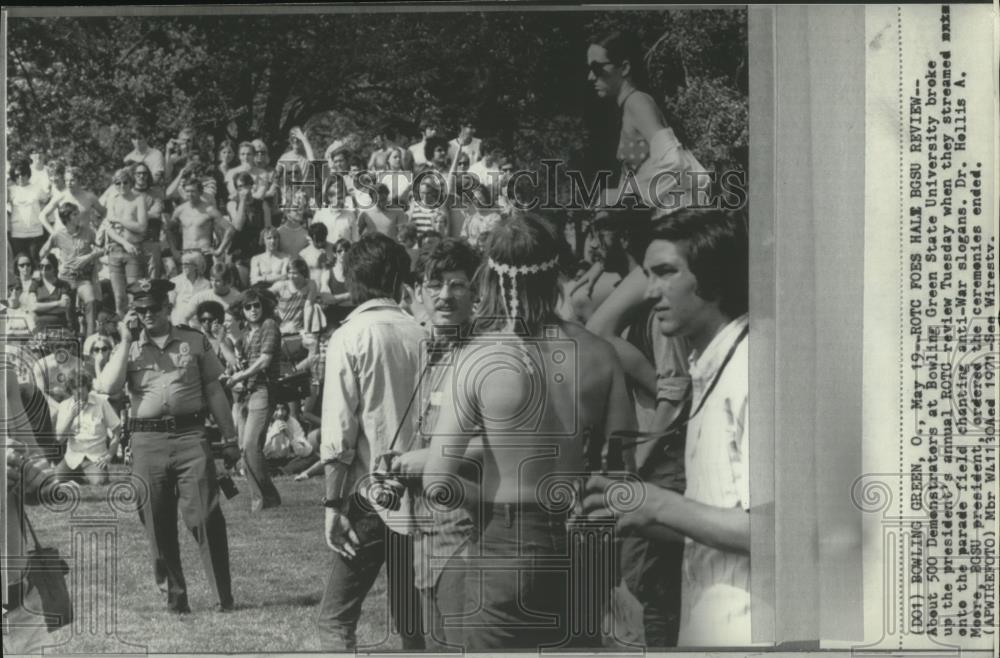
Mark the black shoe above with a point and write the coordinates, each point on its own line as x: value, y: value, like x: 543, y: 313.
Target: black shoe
x: 225, y: 607
x: 179, y: 610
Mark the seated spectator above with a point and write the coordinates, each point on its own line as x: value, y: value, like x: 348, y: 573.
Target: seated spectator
x: 293, y: 233
x: 50, y: 299
x: 381, y: 219
x: 187, y: 284
x: 272, y: 265
x: 293, y: 295
x: 340, y: 222
x: 285, y: 438
x: 319, y: 256
x: 91, y: 429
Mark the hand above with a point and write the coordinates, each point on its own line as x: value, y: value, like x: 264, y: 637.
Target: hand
x: 105, y: 459
x: 297, y: 133
x: 410, y: 464
x: 231, y: 454
x: 130, y: 318
x: 130, y: 248
x: 633, y: 503
x: 304, y: 475
x: 339, y: 534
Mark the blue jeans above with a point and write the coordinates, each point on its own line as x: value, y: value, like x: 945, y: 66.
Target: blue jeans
x: 252, y: 417
x: 351, y: 580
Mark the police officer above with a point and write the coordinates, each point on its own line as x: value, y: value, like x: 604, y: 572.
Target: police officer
x: 173, y: 382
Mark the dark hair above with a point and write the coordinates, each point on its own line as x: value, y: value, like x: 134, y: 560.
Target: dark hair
x: 716, y: 247
x: 23, y: 254
x: 407, y: 233
x: 342, y: 242
x: 432, y: 144
x: 84, y: 379
x: 521, y: 241
x: 243, y: 178
x: 300, y: 266
x: 51, y: 259
x: 224, y: 272
x: 213, y: 308
x: 375, y: 266
x: 58, y: 166
x: 20, y: 167
x: 260, y: 293
x: 335, y: 180
x: 65, y: 209
x: 449, y: 255
x: 318, y: 232
x: 621, y: 48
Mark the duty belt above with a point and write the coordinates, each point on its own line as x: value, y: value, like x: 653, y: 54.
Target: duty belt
x: 166, y: 423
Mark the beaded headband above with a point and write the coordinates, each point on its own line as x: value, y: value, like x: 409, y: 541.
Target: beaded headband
x: 511, y: 271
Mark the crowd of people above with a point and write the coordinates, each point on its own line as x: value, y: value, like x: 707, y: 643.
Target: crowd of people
x: 449, y: 363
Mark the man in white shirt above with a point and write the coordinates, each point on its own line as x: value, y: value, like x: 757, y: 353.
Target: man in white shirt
x: 143, y: 152
x: 373, y: 368
x: 697, y: 268
x: 466, y: 142
x: 428, y: 129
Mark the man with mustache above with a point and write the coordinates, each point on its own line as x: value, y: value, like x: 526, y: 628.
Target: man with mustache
x: 444, y: 273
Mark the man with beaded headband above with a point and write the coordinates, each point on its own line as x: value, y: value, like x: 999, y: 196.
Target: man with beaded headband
x: 531, y: 396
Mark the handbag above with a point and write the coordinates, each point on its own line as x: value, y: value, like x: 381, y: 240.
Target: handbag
x: 46, y: 573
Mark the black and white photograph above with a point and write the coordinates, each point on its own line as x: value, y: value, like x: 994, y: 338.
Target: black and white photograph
x: 442, y: 328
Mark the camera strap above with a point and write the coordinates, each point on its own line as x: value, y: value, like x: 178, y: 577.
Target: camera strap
x: 409, y: 404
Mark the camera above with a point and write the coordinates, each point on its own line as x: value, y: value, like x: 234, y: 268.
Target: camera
x: 135, y: 328
x: 387, y: 492
x: 546, y: 365
x: 227, y: 486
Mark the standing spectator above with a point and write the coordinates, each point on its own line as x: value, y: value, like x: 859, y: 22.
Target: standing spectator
x: 340, y: 222
x: 294, y: 294
x: 435, y: 156
x: 266, y: 181
x: 51, y: 300
x: 91, y: 209
x: 481, y: 218
x: 91, y: 429
x: 143, y: 153
x: 24, y: 210
x: 340, y: 296
x: 272, y: 265
x: 211, y: 320
x: 262, y: 350
x: 56, y: 172
x: 40, y: 174
x: 199, y: 222
x: 77, y: 245
x: 381, y: 218
x: 173, y: 382
x: 428, y: 129
x: 221, y: 290
x: 293, y: 232
x: 178, y: 153
x: 427, y: 209
x: 190, y: 281
x: 319, y: 256
x: 244, y: 166
x: 125, y: 228
x: 698, y: 268
x: 396, y: 176
x: 525, y: 523
x: 372, y: 369
x: 152, y: 241
x: 247, y: 215
x: 466, y: 142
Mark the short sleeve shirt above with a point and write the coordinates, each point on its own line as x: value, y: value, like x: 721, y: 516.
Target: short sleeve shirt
x: 55, y: 318
x: 91, y: 428
x: 171, y: 381
x: 74, y: 246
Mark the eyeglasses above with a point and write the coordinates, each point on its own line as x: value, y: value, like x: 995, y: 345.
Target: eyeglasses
x: 252, y: 306
x: 100, y: 349
x: 597, y: 68
x: 457, y: 287
x: 24, y: 264
x: 149, y: 310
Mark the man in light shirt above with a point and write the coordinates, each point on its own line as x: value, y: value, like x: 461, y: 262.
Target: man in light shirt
x: 143, y: 152
x: 372, y: 372
x: 697, y: 268
x: 466, y: 142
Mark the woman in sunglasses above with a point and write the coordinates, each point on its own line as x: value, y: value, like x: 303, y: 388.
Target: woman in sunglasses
x: 77, y: 245
x: 647, y: 145
x: 50, y: 298
x: 261, y: 349
x: 19, y: 319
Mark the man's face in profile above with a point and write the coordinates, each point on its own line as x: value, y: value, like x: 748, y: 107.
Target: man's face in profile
x: 678, y: 308
x: 447, y: 298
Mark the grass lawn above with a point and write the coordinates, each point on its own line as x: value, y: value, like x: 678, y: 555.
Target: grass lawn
x: 279, y: 565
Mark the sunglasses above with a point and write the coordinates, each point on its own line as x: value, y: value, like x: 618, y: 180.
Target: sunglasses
x: 252, y: 306
x: 24, y: 264
x: 208, y: 319
x: 598, y: 68
x: 100, y: 349
x: 149, y: 310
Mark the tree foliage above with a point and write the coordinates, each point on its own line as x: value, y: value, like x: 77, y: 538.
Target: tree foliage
x: 76, y: 85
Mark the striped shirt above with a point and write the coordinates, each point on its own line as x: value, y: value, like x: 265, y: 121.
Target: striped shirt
x: 426, y: 219
x: 715, y: 595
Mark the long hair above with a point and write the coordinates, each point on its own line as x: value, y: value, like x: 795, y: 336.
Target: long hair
x: 520, y: 242
x: 376, y: 266
x: 260, y: 293
x: 621, y: 48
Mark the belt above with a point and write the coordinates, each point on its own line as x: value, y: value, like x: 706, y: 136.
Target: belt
x: 166, y: 423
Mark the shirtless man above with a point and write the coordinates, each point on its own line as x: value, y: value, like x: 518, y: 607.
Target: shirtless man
x: 91, y: 210
x: 124, y: 230
x: 532, y: 397
x: 198, y: 222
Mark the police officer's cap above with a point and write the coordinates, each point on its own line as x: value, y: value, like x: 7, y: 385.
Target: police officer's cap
x: 149, y: 292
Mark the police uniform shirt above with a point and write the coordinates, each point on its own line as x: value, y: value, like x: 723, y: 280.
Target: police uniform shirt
x: 171, y: 381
